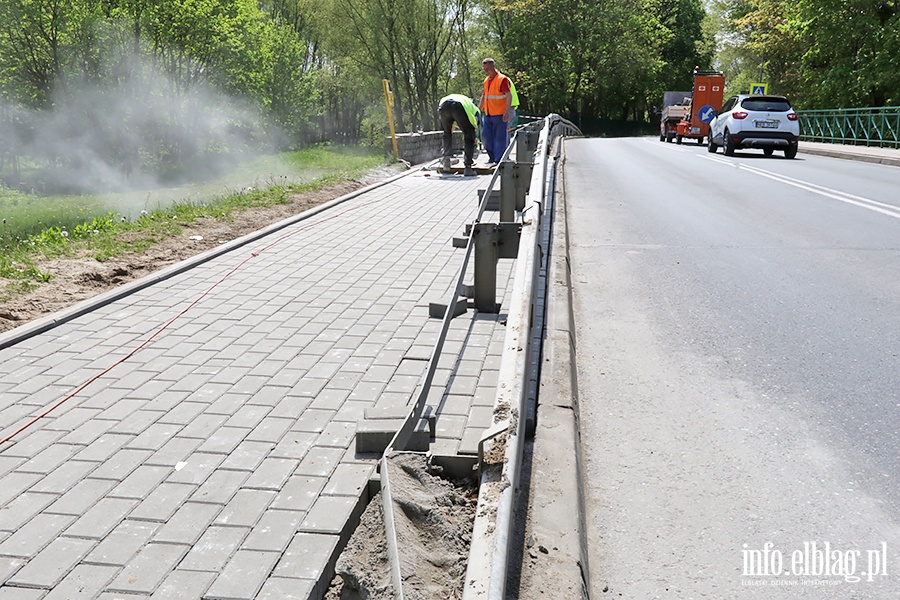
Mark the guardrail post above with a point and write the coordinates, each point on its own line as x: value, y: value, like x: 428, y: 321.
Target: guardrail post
x: 485, y: 293
x: 493, y: 241
x: 508, y: 199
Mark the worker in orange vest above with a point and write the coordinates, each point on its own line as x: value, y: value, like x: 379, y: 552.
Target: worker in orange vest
x: 496, y: 110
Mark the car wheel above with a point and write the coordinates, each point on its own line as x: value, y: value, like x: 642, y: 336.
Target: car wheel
x: 768, y: 151
x: 710, y: 147
x: 790, y: 152
x: 727, y: 144
x: 669, y: 137
x: 700, y: 142
x: 678, y: 139
x: 662, y: 137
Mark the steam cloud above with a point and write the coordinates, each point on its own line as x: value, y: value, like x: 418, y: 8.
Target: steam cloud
x: 144, y: 131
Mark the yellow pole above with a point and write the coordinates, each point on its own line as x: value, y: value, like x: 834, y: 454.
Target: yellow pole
x: 389, y: 102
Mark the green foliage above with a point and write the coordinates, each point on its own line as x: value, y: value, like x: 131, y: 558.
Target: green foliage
x: 821, y: 53
x: 611, y: 59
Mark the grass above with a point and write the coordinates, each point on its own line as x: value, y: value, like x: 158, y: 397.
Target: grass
x: 34, y: 228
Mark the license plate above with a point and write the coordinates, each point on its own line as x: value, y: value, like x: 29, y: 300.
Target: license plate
x: 766, y: 124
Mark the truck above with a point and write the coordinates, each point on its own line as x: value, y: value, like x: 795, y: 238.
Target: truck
x: 706, y: 102
x: 675, y: 107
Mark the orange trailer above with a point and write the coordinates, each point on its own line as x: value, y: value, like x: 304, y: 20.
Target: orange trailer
x: 706, y: 102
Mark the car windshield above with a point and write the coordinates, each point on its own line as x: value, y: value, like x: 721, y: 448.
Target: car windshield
x: 766, y: 104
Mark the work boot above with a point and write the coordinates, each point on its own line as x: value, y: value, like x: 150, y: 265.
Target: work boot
x: 445, y: 164
x: 469, y: 172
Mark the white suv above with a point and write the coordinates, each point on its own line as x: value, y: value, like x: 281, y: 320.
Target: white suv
x: 766, y: 122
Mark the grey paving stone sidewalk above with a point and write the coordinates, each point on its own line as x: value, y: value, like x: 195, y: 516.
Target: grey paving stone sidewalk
x: 218, y: 460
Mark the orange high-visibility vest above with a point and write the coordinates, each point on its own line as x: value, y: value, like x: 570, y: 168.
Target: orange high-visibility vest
x: 494, y: 99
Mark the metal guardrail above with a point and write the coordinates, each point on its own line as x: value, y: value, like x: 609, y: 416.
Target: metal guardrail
x: 486, y: 574
x: 513, y: 376
x: 878, y: 126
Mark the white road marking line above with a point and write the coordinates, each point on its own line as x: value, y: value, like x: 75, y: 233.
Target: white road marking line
x: 867, y: 203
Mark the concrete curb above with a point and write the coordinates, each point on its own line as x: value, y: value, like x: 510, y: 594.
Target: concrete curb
x: 556, y: 510
x: 878, y: 156
x: 23, y: 332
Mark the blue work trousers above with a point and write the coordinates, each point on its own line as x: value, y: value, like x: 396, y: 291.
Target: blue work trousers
x: 494, y: 136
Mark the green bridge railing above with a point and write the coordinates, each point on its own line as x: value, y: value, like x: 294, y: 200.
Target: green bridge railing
x: 859, y: 126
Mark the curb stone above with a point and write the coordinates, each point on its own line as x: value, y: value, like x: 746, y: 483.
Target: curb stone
x: 556, y: 506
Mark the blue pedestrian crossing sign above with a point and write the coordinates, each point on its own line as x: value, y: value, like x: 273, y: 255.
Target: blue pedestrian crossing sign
x: 706, y: 113
x: 759, y: 89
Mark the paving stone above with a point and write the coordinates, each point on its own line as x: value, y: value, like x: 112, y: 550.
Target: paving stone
x: 221, y: 486
x: 8, y: 566
x: 274, y: 531
x: 32, y: 537
x: 102, y: 518
x: 352, y: 411
x: 81, y: 497
x: 308, y: 555
x: 18, y: 593
x: 188, y: 523
x: 48, y: 568
x: 141, y: 482
x: 271, y: 474
x: 249, y: 415
x: 319, y: 462
x: 245, y: 508
x: 19, y: 510
x: 225, y: 439
x: 203, y: 426
x: 148, y: 569
x: 87, y: 432
x: 243, y: 576
x: 84, y: 582
x: 183, y: 413
x: 214, y: 548
x: 176, y: 450
x: 196, y: 468
x: 49, y: 458
x: 162, y: 502
x: 282, y: 588
x: 72, y: 419
x: 154, y: 437
x: 182, y: 585
x: 299, y: 493
x: 313, y: 420
x: 453, y: 404
x: 308, y: 386
x: 349, y: 479
x: 13, y: 484
x: 450, y: 426
x: 330, y: 514
x: 329, y: 399
x: 247, y: 456
x: 270, y: 429
x: 228, y: 404
x: 122, y: 409
x: 120, y: 465
x: 337, y: 435
x: 135, y: 423
x: 122, y: 543
x: 103, y: 447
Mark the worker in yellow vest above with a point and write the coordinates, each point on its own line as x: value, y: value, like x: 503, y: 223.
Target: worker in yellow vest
x: 460, y: 110
x: 496, y: 107
x: 514, y: 106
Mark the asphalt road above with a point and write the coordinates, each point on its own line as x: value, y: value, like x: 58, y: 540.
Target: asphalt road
x: 738, y: 342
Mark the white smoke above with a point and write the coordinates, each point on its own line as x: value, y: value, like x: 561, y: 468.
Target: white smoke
x: 141, y: 132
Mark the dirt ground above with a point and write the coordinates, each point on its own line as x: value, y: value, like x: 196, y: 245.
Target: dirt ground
x: 433, y: 519
x: 79, y: 278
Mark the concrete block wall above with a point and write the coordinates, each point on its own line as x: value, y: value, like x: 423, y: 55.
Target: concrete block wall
x: 421, y: 146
